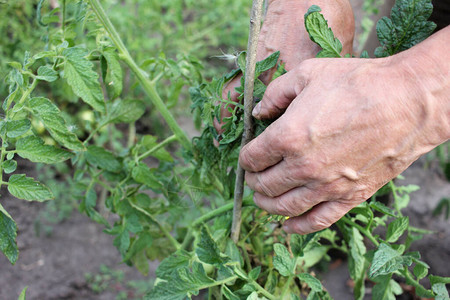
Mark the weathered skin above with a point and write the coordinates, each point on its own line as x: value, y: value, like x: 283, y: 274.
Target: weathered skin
x: 347, y: 127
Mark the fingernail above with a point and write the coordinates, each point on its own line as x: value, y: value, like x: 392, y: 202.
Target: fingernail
x: 256, y: 110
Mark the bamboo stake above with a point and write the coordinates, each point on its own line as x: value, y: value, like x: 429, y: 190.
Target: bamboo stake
x: 255, y: 27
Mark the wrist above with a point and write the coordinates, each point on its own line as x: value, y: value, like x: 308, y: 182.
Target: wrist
x: 425, y: 69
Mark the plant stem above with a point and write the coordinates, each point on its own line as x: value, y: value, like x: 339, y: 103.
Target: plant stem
x: 255, y: 27
x: 286, y: 287
x: 362, y: 229
x: 157, y: 147
x: 218, y: 211
x: 163, y: 230
x: 148, y: 86
x: 263, y: 291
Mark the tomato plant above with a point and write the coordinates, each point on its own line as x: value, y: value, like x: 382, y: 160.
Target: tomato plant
x: 172, y: 195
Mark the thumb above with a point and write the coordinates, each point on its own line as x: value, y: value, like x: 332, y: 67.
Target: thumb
x: 279, y: 94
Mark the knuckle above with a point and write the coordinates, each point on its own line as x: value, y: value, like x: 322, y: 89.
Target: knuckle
x: 287, y: 207
x: 318, y: 222
x: 264, y: 187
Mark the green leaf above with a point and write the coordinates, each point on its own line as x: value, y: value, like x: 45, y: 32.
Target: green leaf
x: 420, y: 270
x: 170, y: 264
x: 34, y: 149
x: 183, y: 283
x: 396, y: 229
x: 386, y: 260
x: 321, y: 34
x: 102, y: 159
x: 114, y: 75
x: 16, y: 128
x: 142, y: 174
x: 357, y: 262
x: 282, y: 261
x: 299, y: 242
x: 207, y: 249
x: 9, y: 166
x: 82, y: 78
x: 438, y: 279
x: 8, y: 235
x: 266, y: 64
x: 22, y: 294
x: 126, y: 111
x: 385, y: 288
x: 47, y: 74
x: 378, y: 206
x: 311, y: 281
x: 229, y: 294
x: 27, y: 188
x: 441, y: 291
x: 254, y: 273
x: 50, y: 116
x: 407, y: 26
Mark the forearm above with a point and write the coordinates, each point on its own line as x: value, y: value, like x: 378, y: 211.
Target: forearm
x: 428, y: 65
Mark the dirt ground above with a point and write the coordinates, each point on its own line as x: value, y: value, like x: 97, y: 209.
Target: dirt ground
x: 54, y: 266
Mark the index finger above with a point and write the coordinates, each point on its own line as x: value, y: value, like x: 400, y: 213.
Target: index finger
x: 263, y: 151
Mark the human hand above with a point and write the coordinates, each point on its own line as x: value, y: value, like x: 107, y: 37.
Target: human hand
x: 284, y: 30
x: 350, y: 126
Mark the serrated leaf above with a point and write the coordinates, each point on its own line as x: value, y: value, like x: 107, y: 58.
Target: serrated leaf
x: 143, y: 174
x: 207, y: 249
x: 266, y: 64
x: 183, y: 283
x: 378, y: 206
x: 27, y: 188
x: 114, y: 75
x: 79, y: 73
x: 34, y: 149
x: 357, y: 262
x: 9, y: 166
x: 387, y: 260
x: 311, y: 281
x: 47, y: 74
x: 407, y: 26
x: 126, y: 111
x: 282, y: 261
x: 396, y: 228
x: 420, y: 270
x: 8, y: 235
x: 321, y: 34
x: 385, y: 288
x: 102, y: 159
x: 16, y: 128
x: 170, y: 264
x: 50, y: 116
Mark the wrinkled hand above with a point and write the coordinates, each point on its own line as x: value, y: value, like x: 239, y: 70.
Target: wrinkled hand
x: 284, y: 30
x: 349, y: 126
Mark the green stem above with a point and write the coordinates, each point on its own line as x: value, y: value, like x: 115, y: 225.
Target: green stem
x: 218, y: 211
x: 2, y: 158
x: 163, y: 230
x: 394, y: 193
x: 157, y: 147
x: 148, y: 86
x: 263, y: 291
x: 286, y: 287
x: 416, y: 284
x: 362, y: 230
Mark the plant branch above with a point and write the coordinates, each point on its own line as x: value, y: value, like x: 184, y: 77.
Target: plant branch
x: 255, y: 27
x: 161, y: 227
x: 362, y: 230
x: 157, y: 147
x: 148, y: 86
